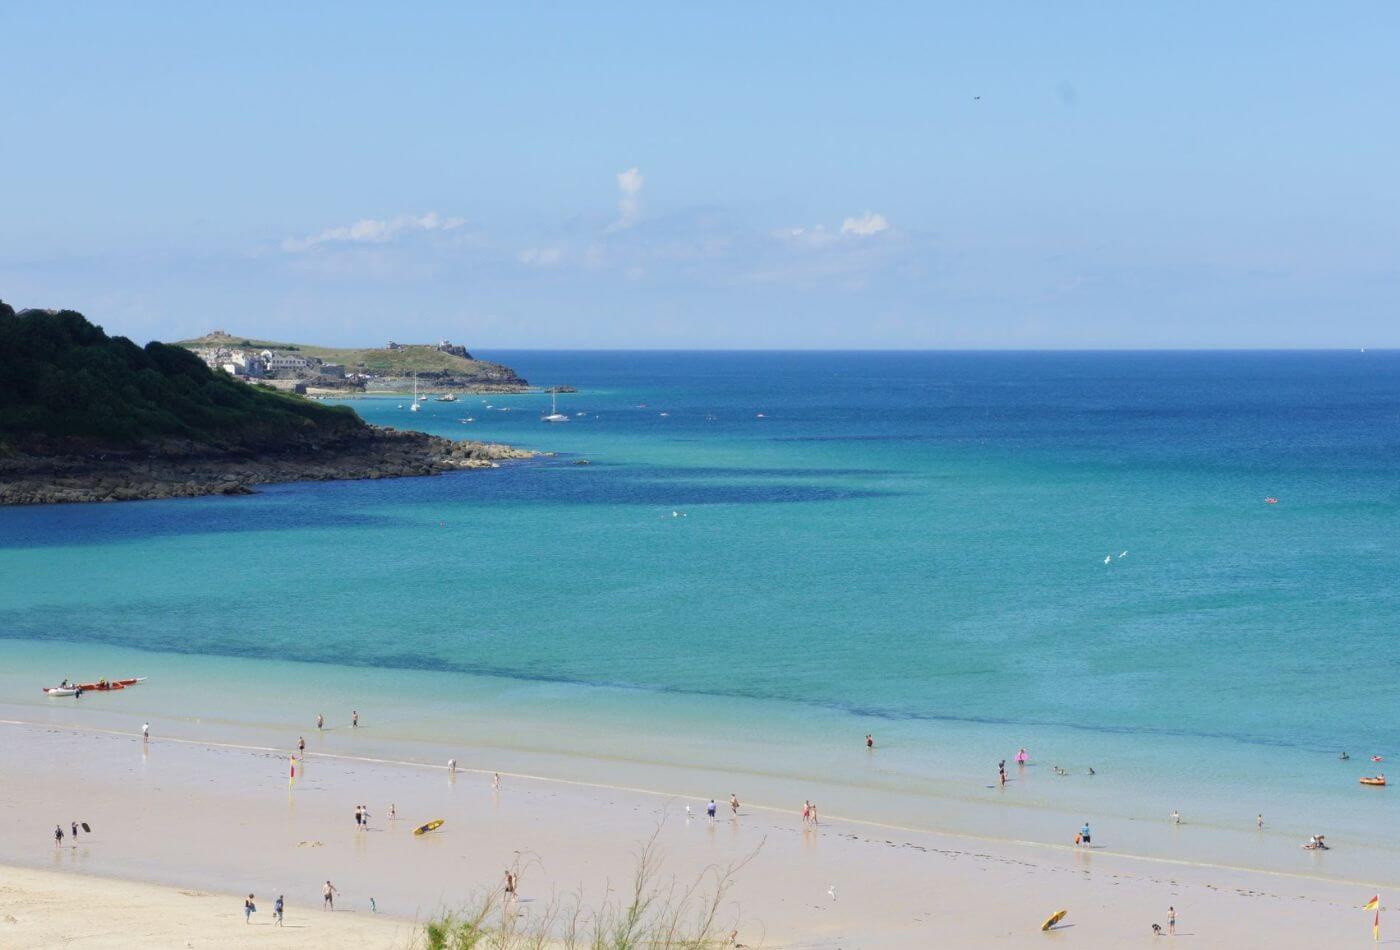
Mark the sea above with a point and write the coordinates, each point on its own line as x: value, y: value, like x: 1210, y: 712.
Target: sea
x: 1175, y: 569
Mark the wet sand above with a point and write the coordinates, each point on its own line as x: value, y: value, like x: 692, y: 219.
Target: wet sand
x: 221, y: 819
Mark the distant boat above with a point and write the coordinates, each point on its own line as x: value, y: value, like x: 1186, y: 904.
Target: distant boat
x: 447, y: 397
x: 415, y: 407
x: 554, y: 414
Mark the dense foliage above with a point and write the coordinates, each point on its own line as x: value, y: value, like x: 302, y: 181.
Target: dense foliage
x: 62, y: 377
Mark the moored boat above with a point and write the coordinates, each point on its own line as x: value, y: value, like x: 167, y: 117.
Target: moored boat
x: 61, y: 690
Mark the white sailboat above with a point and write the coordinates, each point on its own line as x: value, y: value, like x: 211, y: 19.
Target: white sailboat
x: 415, y: 407
x: 554, y: 414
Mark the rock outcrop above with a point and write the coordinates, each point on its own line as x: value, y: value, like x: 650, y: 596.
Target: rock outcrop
x: 70, y: 472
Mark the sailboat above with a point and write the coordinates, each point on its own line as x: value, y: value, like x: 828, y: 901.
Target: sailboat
x: 415, y: 407
x: 554, y: 414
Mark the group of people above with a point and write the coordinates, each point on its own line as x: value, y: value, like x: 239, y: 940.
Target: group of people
x: 249, y: 909
x: 362, y: 818
x: 58, y: 834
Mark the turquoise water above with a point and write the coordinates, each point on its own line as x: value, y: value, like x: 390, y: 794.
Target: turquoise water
x: 912, y: 544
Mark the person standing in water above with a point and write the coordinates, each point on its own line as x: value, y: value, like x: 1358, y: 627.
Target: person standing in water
x: 1259, y: 821
x: 320, y: 721
x: 328, y: 896
x: 1171, y: 921
x: 354, y: 719
x: 709, y: 813
x: 58, y: 836
x: 301, y: 743
x: 145, y: 732
x: 1084, y: 834
x: 75, y: 832
x: 495, y: 781
x: 869, y: 741
x: 734, y: 804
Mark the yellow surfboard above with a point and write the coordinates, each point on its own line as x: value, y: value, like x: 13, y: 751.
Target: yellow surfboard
x: 433, y: 825
x: 1053, y: 919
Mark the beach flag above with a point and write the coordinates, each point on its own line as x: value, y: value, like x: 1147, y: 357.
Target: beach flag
x: 1373, y: 904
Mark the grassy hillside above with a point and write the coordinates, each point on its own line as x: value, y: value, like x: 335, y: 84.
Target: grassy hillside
x: 411, y: 359
x: 61, y: 377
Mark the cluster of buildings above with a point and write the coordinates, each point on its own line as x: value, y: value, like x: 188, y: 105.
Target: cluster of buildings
x: 268, y: 364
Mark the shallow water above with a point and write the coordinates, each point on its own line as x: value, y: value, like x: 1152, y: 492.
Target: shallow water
x: 909, y: 544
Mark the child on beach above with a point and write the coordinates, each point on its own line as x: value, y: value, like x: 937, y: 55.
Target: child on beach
x: 277, y: 912
x: 248, y: 908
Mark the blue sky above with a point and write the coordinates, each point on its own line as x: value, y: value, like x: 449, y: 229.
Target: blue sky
x: 714, y: 175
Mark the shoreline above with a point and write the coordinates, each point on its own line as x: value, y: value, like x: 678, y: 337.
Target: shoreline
x: 918, y: 780
x: 871, y: 824
x: 892, y: 887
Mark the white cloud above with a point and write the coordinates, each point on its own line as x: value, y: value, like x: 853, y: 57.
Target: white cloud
x: 540, y: 256
x: 865, y: 225
x: 630, y: 204
x: 373, y: 231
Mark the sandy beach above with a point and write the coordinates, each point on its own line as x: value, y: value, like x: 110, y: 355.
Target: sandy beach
x: 217, y: 821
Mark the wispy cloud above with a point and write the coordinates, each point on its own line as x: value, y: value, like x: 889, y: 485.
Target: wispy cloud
x: 373, y: 231
x: 629, y: 206
x: 540, y: 256
x: 865, y: 225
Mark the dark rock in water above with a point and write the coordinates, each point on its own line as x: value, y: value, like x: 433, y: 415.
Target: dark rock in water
x: 65, y: 472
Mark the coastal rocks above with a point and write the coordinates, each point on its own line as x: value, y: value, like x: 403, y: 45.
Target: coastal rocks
x: 174, y: 469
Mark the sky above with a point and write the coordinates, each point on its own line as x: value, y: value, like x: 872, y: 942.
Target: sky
x: 717, y: 175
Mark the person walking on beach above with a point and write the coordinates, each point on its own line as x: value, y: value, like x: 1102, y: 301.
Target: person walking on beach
x: 1259, y: 821
x: 495, y: 781
x: 248, y: 908
x: 806, y: 812
x: 145, y: 732
x: 75, y: 832
x: 354, y: 719
x: 734, y: 804
x: 1171, y: 921
x: 393, y: 813
x: 364, y: 817
x: 320, y: 721
x: 301, y: 744
x: 328, y: 896
x: 1084, y: 833
x: 814, y: 814
x: 359, y: 818
x: 58, y: 836
x: 277, y: 912
x: 709, y: 813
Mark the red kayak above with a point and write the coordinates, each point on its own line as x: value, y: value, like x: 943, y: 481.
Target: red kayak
x: 111, y: 684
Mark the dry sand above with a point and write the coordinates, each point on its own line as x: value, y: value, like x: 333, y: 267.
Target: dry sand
x: 221, y: 820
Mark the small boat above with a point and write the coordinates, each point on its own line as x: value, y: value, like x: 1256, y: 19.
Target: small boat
x: 1376, y: 780
x: 447, y: 397
x: 433, y: 825
x: 554, y: 414
x: 105, y: 685
x: 415, y: 407
x: 61, y: 690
